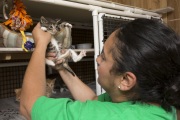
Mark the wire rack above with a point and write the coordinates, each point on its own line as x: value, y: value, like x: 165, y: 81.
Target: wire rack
x: 112, y: 23
x: 12, y: 77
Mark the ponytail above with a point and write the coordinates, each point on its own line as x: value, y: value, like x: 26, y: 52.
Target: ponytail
x: 172, y: 94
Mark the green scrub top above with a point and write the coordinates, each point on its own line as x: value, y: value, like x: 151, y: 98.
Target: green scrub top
x: 101, y: 109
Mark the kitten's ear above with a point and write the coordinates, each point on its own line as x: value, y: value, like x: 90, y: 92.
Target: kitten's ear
x: 43, y: 20
x: 17, y: 90
x: 58, y: 21
x: 54, y: 79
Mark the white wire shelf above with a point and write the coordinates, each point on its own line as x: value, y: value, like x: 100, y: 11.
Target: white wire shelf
x: 2, y: 49
x: 19, y: 53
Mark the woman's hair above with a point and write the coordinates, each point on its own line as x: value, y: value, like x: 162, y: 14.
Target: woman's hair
x: 151, y: 51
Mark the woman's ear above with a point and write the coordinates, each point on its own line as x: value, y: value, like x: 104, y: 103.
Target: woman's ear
x: 128, y: 80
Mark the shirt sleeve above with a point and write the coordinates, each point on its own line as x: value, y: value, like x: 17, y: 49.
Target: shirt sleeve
x: 55, y: 109
x: 66, y: 109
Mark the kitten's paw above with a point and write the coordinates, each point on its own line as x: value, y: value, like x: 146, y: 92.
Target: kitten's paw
x: 83, y: 53
x: 63, y: 90
x: 68, y: 25
x: 50, y: 63
x: 44, y: 29
x: 54, y: 92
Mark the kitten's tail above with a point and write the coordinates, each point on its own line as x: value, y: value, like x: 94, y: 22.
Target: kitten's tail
x: 66, y: 66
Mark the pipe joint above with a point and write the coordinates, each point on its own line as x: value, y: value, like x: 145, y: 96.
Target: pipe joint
x: 100, y: 16
x: 95, y: 13
x: 93, y: 8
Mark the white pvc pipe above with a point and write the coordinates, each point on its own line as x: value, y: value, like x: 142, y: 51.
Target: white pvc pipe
x: 123, y: 13
x: 129, y: 18
x: 96, y: 47
x: 101, y: 36
x: 116, y: 6
x: 101, y: 31
x: 92, y: 8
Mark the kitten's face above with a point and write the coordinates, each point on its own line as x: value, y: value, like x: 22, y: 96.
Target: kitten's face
x: 50, y: 25
x: 50, y: 83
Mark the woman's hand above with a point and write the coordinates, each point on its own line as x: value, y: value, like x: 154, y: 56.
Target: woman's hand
x: 53, y: 56
x: 40, y: 37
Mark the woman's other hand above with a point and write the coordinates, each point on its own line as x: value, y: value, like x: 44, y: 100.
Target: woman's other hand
x: 40, y: 37
x: 53, y: 56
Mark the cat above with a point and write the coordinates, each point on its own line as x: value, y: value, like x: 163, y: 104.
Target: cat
x: 60, y: 43
x: 49, y: 89
x: 18, y: 94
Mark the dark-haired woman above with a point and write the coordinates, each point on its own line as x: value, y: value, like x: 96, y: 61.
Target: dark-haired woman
x: 139, y: 68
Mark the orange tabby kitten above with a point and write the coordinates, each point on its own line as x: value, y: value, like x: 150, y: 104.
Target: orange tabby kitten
x: 49, y: 89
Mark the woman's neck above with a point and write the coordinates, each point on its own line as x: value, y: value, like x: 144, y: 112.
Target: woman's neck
x: 118, y: 98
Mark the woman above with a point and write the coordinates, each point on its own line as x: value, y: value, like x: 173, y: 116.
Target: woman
x: 138, y: 68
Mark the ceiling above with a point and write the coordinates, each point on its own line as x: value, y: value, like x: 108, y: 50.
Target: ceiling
x: 37, y: 9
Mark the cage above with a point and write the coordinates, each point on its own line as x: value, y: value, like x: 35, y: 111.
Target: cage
x: 93, y: 22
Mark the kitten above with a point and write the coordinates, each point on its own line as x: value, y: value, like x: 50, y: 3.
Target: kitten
x: 18, y: 94
x: 60, y: 42
x: 49, y: 89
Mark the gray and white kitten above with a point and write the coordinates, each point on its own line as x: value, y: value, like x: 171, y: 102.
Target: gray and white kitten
x: 61, y: 41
